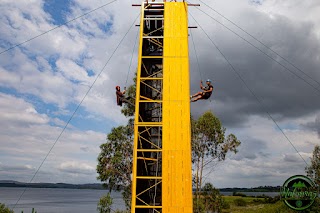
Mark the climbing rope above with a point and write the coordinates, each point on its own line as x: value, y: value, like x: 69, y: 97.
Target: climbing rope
x: 195, y: 51
x: 134, y: 46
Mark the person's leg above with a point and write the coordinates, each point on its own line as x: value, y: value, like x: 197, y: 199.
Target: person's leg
x: 125, y: 99
x: 197, y: 94
x: 197, y: 98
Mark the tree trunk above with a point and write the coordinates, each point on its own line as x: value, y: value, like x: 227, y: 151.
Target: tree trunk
x: 201, y: 170
x: 197, y: 180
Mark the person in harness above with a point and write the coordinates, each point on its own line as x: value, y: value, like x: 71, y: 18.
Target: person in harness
x: 207, y: 91
x: 120, y: 96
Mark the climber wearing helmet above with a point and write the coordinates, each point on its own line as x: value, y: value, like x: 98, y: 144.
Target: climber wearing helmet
x: 120, y: 95
x: 207, y: 91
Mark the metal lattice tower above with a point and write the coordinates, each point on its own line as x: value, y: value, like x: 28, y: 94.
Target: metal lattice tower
x: 162, y: 180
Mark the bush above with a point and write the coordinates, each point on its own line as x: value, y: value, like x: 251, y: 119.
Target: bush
x: 240, y: 202
x: 258, y: 201
x: 272, y: 199
x: 224, y: 204
x: 239, y: 194
x: 104, y: 205
x: 4, y: 209
x: 198, y: 205
x: 262, y: 196
x: 315, y: 208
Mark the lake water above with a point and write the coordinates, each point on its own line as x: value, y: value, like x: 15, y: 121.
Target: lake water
x: 57, y: 200
x: 68, y: 200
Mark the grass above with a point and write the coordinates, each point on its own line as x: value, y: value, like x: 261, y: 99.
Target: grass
x: 254, y: 207
x: 230, y: 199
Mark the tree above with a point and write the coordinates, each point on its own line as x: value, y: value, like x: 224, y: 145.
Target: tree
x: 313, y: 171
x: 128, y: 109
x: 209, y: 145
x: 4, y: 209
x: 105, y: 203
x: 115, y: 160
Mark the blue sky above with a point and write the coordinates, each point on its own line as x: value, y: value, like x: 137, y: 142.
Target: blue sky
x: 58, y: 10
x: 43, y: 81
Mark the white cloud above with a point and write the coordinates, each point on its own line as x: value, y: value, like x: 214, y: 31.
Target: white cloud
x: 76, y: 167
x: 72, y: 71
x: 19, y: 112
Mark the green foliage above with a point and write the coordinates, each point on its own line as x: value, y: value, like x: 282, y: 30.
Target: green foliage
x: 238, y: 194
x: 129, y: 109
x: 272, y: 199
x: 4, y: 209
x: 104, y: 205
x: 266, y: 199
x: 126, y: 195
x: 313, y: 171
x: 315, y: 208
x: 224, y: 204
x: 208, y: 138
x: 198, y: 205
x: 210, y: 200
x: 240, y: 202
x: 121, y: 211
x: 115, y: 160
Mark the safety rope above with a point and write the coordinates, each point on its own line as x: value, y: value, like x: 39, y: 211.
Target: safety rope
x: 195, y: 51
x: 134, y: 47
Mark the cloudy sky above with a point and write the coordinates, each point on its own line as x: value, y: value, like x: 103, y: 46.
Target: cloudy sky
x: 43, y: 81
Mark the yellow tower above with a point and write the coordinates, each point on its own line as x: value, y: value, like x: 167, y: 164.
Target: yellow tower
x: 162, y: 180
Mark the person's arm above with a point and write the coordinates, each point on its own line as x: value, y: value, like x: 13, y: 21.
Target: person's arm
x: 124, y: 91
x: 201, y: 87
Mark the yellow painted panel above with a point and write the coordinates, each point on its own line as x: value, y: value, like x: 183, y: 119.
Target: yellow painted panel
x: 176, y: 165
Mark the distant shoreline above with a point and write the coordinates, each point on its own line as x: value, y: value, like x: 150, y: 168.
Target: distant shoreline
x: 99, y: 186
x: 15, y: 184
